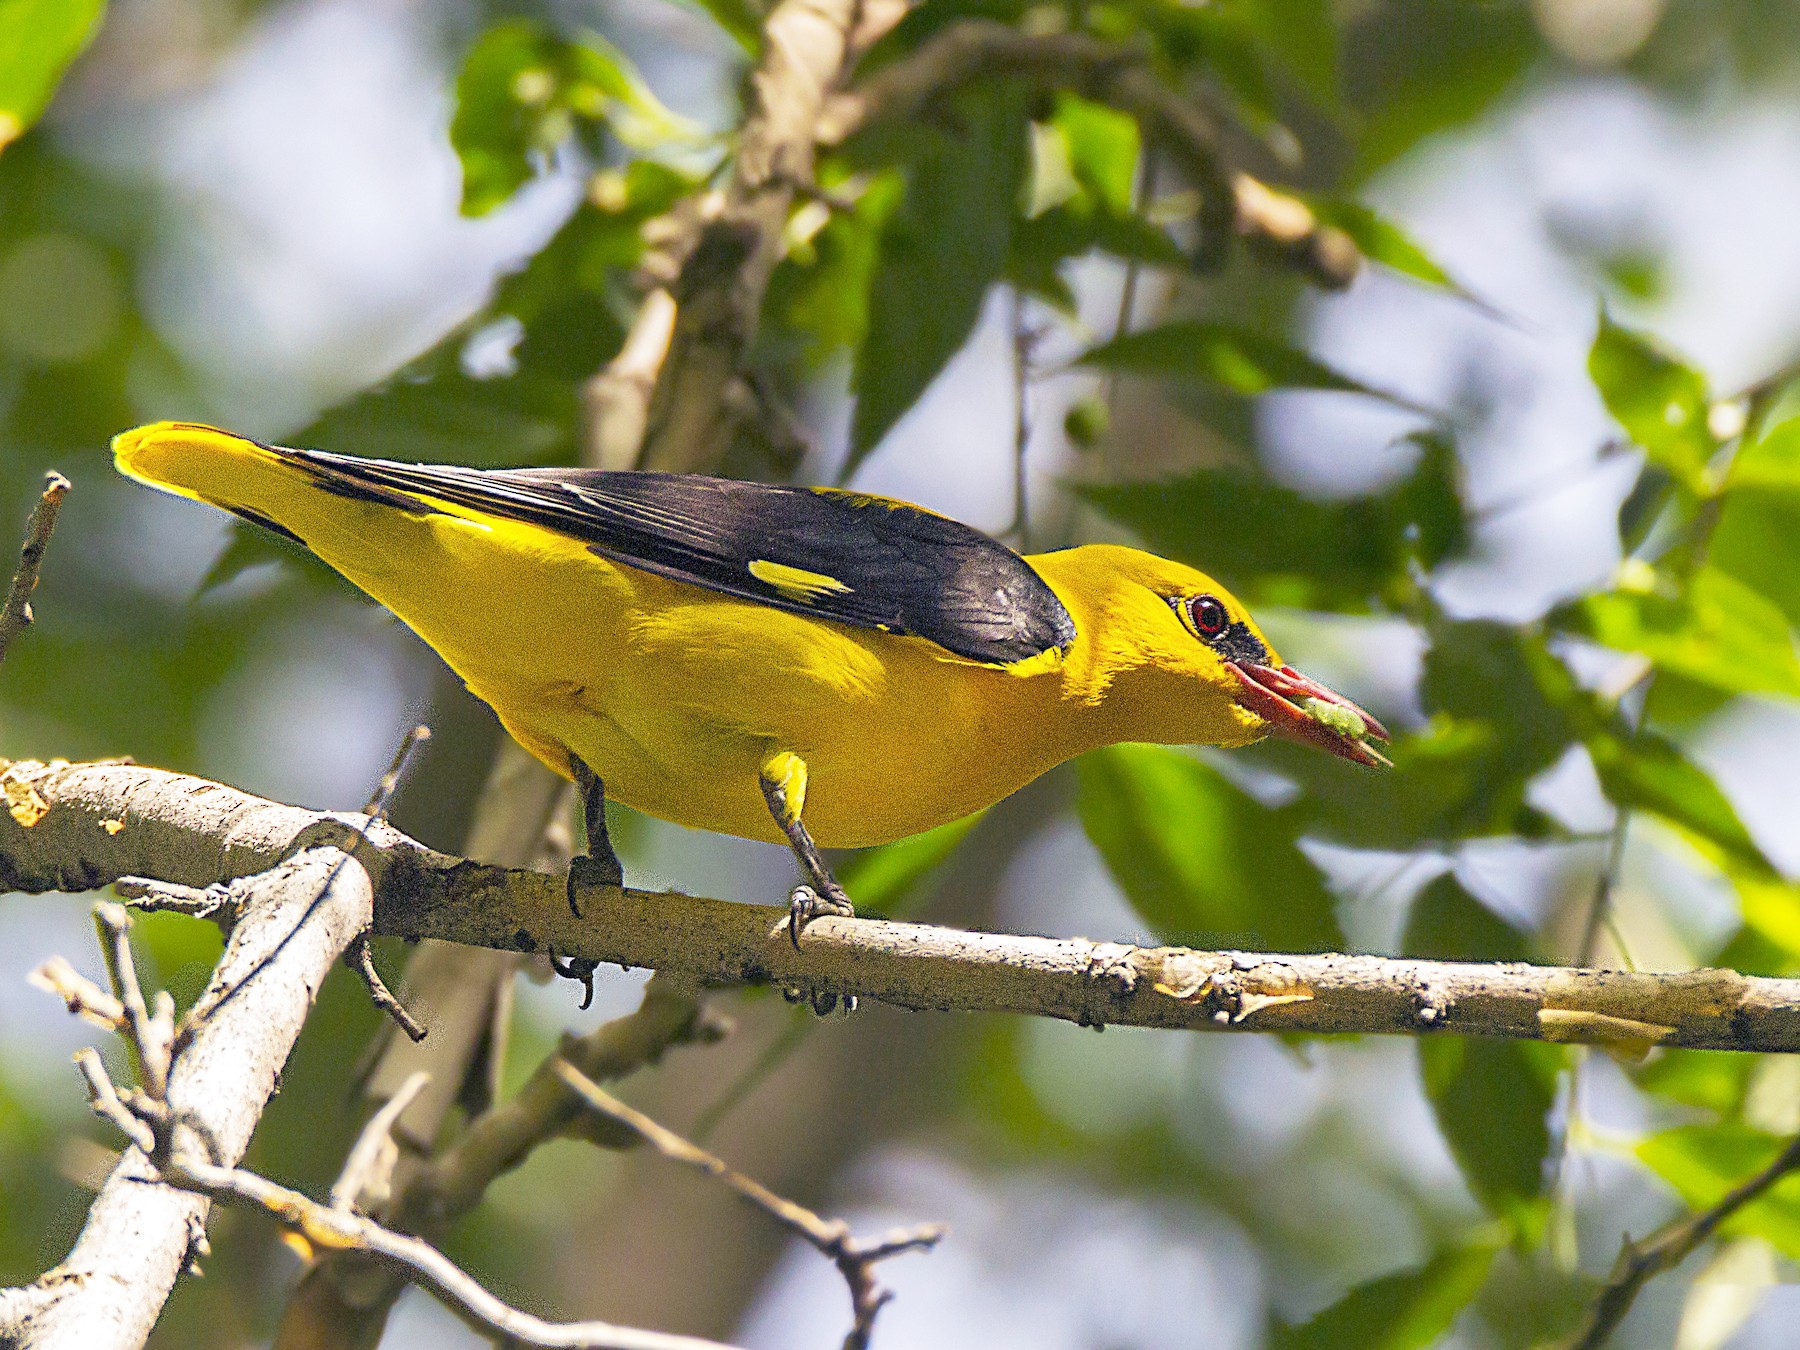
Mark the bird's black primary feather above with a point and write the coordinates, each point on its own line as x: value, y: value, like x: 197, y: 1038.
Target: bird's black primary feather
x: 893, y: 566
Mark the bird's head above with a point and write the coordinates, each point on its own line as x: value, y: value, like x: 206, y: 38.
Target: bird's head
x: 1170, y: 655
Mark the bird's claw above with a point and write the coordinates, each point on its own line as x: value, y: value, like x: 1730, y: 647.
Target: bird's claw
x: 806, y: 904
x: 822, y: 1001
x: 580, y: 969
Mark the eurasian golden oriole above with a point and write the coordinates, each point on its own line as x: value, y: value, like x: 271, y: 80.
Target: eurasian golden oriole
x: 783, y: 663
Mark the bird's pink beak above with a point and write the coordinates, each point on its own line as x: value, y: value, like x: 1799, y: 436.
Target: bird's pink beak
x: 1300, y: 709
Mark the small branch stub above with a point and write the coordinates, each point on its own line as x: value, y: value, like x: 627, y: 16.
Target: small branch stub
x: 15, y: 611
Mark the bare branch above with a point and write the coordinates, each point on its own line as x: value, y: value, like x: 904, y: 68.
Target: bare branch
x: 1639, y: 1262
x: 79, y: 994
x: 15, y: 611
x: 1233, y: 204
x: 464, y: 995
x: 361, y: 959
x: 677, y: 394
x: 369, y: 1168
x: 296, y: 921
x: 147, y: 1119
x: 545, y: 1107
x: 854, y: 1257
x: 196, y: 833
x: 417, y: 1262
x: 427, y: 1194
x: 151, y: 1036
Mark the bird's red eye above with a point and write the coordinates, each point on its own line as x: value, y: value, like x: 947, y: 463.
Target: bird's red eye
x: 1209, y: 616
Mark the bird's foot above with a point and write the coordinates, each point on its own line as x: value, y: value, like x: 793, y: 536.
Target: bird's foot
x: 586, y: 870
x: 580, y: 969
x: 806, y: 903
x: 822, y: 1001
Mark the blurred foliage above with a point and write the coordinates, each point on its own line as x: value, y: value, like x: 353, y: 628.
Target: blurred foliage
x: 41, y: 38
x: 887, y: 272
x: 524, y: 93
x: 1398, y: 1312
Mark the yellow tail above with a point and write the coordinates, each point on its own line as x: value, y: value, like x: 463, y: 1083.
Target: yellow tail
x: 257, y: 482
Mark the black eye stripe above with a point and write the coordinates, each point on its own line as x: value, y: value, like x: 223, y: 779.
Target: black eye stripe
x: 1238, y: 643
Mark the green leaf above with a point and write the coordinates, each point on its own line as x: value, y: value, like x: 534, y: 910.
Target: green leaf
x: 1499, y: 702
x: 1754, y: 542
x: 1717, y: 631
x: 1661, y: 403
x: 1223, y: 354
x: 1303, y: 36
x: 1201, y: 861
x: 940, y: 251
x: 1103, y: 146
x: 1713, y: 1080
x: 1771, y: 910
x: 38, y: 40
x: 1435, y: 67
x: 1384, y: 242
x: 1644, y: 506
x: 1645, y: 771
x: 741, y: 19
x: 825, y: 295
x: 1446, y: 923
x: 1704, y: 1162
x: 1772, y: 460
x: 1492, y: 1098
x: 523, y: 91
x: 1273, y: 545
x: 1760, y: 518
x: 1397, y: 1312
x: 884, y: 880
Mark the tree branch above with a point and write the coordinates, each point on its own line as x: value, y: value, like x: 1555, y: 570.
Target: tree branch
x: 1639, y: 1262
x: 182, y: 1154
x: 1233, y: 204
x: 854, y: 1257
x: 15, y: 611
x: 296, y: 921
x: 197, y: 833
x: 676, y: 395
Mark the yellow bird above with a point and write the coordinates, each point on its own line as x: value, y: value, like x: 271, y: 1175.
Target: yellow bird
x: 804, y: 665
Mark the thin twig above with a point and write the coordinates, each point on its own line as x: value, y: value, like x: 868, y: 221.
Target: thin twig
x: 1128, y: 288
x: 854, y: 1257
x: 151, y: 1035
x: 417, y: 1261
x: 501, y: 1137
x: 1233, y: 205
x: 1600, y: 906
x: 1664, y: 1250
x: 376, y: 807
x: 15, y: 613
x: 80, y: 995
x: 1024, y: 340
x: 168, y: 897
x: 370, y: 1164
x: 339, y: 1229
x: 1700, y: 535
x: 361, y: 955
x: 146, y: 1119
x: 361, y: 958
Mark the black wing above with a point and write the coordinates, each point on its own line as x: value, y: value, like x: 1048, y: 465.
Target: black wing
x: 867, y: 561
